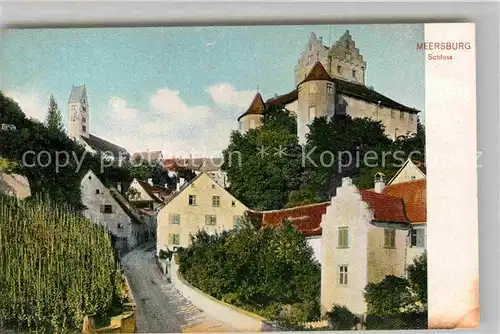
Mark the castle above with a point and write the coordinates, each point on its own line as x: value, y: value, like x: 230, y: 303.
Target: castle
x: 79, y: 126
x: 330, y: 81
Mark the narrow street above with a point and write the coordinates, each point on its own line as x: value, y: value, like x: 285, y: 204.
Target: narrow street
x: 160, y: 307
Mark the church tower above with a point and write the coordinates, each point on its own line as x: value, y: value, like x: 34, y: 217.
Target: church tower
x: 78, y: 113
x: 316, y: 98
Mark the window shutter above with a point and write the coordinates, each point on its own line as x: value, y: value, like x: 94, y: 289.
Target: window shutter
x: 170, y: 218
x: 346, y: 238
x: 170, y: 239
x: 420, y: 238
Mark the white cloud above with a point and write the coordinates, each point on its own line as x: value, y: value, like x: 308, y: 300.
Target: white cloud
x: 120, y: 109
x: 225, y: 94
x: 171, y: 125
x: 30, y: 103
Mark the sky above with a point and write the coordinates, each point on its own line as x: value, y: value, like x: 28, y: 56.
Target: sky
x: 181, y: 89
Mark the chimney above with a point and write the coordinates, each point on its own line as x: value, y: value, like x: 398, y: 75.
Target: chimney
x: 150, y: 181
x: 379, y: 182
x: 180, y: 183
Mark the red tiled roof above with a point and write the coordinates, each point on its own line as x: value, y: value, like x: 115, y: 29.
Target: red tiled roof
x: 414, y: 195
x: 257, y: 107
x: 385, y: 208
x: 284, y: 99
x: 306, y: 218
x: 318, y: 72
x: 170, y: 164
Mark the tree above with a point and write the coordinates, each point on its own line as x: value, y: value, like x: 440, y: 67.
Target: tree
x: 264, y: 165
x: 388, y: 297
x: 54, y: 117
x: 417, y: 275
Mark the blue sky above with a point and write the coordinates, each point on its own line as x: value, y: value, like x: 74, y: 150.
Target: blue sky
x: 181, y: 89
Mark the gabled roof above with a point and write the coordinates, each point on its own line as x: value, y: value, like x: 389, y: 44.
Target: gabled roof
x: 101, y: 145
x: 417, y: 165
x: 77, y: 94
x: 414, y: 196
x: 148, y: 156
x: 126, y: 206
x: 385, y: 208
x: 257, y: 107
x: 306, y: 218
x: 317, y: 72
x: 283, y: 99
x: 151, y: 190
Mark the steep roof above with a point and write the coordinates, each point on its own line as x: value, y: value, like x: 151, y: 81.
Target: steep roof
x: 306, y: 218
x: 102, y: 145
x: 151, y: 190
x: 317, y: 72
x: 414, y: 195
x: 77, y: 93
x: 148, y: 156
x: 385, y: 208
x: 126, y: 206
x: 364, y: 93
x: 257, y: 107
x: 283, y: 99
x: 419, y: 166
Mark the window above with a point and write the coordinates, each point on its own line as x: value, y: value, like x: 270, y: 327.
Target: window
x: 413, y: 178
x: 210, y: 220
x: 233, y: 204
x: 389, y: 238
x: 343, y: 275
x: 312, y: 112
x: 343, y: 237
x: 192, y: 199
x: 120, y: 226
x: 401, y: 115
x: 417, y: 238
x: 410, y: 117
x: 348, y: 55
x: 97, y: 191
x: 174, y: 218
x: 216, y: 201
x: 84, y: 119
x: 329, y: 88
x: 73, y: 107
x: 339, y: 69
x: 213, y: 185
x: 354, y: 73
x: 237, y: 221
x: 173, y: 239
x: 84, y: 128
x: 106, y: 208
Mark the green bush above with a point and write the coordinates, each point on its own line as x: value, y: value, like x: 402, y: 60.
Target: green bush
x: 257, y: 269
x: 410, y: 320
x: 340, y: 318
x: 56, y: 267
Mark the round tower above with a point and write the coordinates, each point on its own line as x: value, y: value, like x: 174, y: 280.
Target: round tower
x: 252, y: 118
x: 316, y: 98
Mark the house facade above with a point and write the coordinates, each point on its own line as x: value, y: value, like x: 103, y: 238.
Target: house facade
x: 109, y: 209
x: 146, y: 195
x: 201, y: 204
x: 329, y: 81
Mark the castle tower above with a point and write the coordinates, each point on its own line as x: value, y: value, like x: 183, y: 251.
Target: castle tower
x: 314, y: 51
x: 252, y: 118
x: 78, y: 113
x: 344, y: 61
x: 316, y: 98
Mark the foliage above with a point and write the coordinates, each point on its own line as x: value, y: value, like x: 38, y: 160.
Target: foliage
x: 263, y: 166
x: 340, y: 318
x: 260, y: 270
x: 56, y: 267
x: 388, y: 297
x: 185, y: 173
x: 410, y: 320
x: 54, y: 117
x: 7, y: 165
x: 417, y: 275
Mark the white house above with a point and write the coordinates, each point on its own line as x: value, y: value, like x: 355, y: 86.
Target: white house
x: 201, y: 204
x: 409, y: 171
x: 108, y: 208
x: 146, y: 195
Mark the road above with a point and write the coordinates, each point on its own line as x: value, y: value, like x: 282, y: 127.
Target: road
x: 160, y: 307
